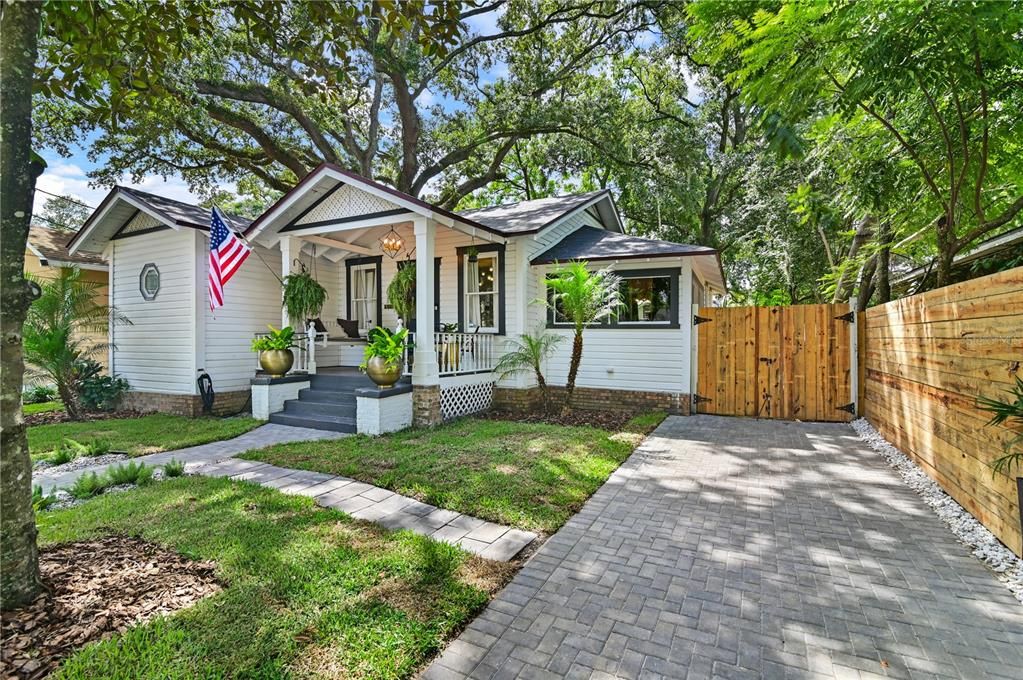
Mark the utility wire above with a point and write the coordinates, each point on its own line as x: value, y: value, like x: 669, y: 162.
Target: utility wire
x: 66, y: 198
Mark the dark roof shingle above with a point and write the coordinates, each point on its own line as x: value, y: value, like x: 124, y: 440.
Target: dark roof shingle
x: 184, y: 214
x: 52, y: 245
x: 526, y: 217
x: 593, y: 243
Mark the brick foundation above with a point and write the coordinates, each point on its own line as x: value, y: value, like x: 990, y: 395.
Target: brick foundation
x: 426, y: 405
x: 592, y: 399
x: 225, y: 403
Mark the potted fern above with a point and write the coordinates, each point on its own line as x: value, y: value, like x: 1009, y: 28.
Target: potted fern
x: 303, y: 296
x: 385, y: 352
x: 275, y: 355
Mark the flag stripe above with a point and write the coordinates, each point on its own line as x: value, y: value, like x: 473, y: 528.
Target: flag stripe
x: 227, y: 253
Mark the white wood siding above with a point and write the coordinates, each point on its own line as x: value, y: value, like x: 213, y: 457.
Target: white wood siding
x: 252, y: 300
x: 643, y: 359
x: 156, y: 352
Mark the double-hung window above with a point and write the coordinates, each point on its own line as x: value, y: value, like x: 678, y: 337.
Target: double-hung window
x: 364, y: 296
x: 482, y: 291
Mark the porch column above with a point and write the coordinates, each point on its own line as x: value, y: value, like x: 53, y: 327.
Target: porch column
x: 425, y: 371
x: 290, y: 249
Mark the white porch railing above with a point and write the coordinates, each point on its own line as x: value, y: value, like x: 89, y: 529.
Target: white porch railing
x: 459, y: 353
x: 304, y: 350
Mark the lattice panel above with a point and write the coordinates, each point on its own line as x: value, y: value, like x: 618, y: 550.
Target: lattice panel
x: 141, y: 222
x: 347, y: 202
x: 465, y: 399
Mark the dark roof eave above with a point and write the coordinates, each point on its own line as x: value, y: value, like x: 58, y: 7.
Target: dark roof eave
x: 629, y: 256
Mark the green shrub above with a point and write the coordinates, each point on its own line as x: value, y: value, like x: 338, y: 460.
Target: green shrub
x: 97, y: 447
x: 89, y: 485
x: 174, y: 468
x: 130, y: 473
x: 102, y: 392
x: 68, y: 450
x: 39, y: 394
x: 39, y: 501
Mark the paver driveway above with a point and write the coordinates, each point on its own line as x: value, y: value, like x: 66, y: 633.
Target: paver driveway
x: 736, y: 548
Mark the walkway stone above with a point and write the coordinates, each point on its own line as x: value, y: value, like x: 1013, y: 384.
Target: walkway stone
x: 736, y: 548
x: 196, y: 456
x: 382, y: 506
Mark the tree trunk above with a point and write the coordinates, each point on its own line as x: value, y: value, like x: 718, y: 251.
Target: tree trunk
x: 884, y: 262
x: 866, y: 289
x: 543, y: 390
x: 19, y: 558
x: 845, y: 284
x: 573, y: 369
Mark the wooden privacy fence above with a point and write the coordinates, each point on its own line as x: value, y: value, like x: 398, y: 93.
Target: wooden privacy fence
x: 775, y: 362
x: 925, y: 360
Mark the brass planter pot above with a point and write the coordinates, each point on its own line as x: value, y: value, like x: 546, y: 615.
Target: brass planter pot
x: 276, y: 362
x: 379, y: 372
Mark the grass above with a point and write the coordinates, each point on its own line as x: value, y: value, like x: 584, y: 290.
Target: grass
x: 43, y: 407
x: 141, y: 435
x: 531, y: 476
x: 308, y: 591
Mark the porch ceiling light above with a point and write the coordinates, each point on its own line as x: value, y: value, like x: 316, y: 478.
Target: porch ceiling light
x: 392, y: 243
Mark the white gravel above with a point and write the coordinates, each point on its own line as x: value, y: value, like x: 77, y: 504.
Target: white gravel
x: 81, y: 463
x: 988, y: 549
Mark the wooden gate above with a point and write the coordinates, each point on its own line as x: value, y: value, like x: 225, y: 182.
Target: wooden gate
x: 792, y: 363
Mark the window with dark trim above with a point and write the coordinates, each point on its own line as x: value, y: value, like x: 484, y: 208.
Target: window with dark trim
x: 364, y: 292
x: 481, y: 288
x: 649, y: 300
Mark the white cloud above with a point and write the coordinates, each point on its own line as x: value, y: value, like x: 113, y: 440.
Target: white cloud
x: 68, y: 178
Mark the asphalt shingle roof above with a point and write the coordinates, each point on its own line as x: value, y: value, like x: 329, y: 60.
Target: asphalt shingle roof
x: 527, y: 216
x: 184, y: 214
x: 52, y: 245
x: 593, y: 243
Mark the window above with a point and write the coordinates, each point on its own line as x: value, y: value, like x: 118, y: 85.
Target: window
x: 481, y: 290
x: 364, y: 297
x: 649, y: 298
x: 645, y: 300
x: 149, y: 281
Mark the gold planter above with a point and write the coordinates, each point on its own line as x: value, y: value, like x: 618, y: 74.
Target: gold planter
x: 276, y: 362
x: 380, y: 373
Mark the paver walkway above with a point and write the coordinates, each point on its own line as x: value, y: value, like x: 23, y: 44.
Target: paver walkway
x: 736, y: 548
x: 384, y: 507
x: 358, y: 499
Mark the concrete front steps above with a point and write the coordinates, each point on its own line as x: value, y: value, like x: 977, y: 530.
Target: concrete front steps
x: 327, y: 404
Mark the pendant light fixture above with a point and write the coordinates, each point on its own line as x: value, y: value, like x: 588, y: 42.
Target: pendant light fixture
x: 392, y: 243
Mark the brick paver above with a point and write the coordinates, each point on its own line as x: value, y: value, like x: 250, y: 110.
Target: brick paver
x: 736, y: 548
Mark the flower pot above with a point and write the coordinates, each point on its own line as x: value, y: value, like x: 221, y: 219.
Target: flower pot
x: 383, y: 375
x: 276, y: 362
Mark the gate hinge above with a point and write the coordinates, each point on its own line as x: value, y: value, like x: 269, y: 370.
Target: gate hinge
x: 849, y: 408
x: 848, y: 317
x: 699, y: 400
x: 697, y: 320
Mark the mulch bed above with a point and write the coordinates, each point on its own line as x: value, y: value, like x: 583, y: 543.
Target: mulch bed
x: 605, y: 420
x: 97, y: 588
x: 50, y: 417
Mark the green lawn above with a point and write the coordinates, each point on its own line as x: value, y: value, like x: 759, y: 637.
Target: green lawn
x: 137, y: 436
x: 531, y: 476
x: 309, y: 591
x: 44, y: 407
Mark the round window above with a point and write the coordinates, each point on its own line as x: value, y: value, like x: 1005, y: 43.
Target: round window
x: 149, y: 281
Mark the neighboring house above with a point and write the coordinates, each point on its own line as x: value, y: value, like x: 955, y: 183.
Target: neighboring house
x: 480, y: 271
x: 46, y: 253
x: 995, y: 254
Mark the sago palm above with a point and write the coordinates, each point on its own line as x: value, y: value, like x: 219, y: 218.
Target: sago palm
x: 583, y: 298
x: 527, y: 353
x: 55, y: 334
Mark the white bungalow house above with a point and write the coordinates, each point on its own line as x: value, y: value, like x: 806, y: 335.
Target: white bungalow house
x: 479, y: 274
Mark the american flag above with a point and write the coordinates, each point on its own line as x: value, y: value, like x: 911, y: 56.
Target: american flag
x: 227, y: 252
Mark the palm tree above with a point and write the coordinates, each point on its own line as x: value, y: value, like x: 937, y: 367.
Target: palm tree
x: 583, y: 298
x: 527, y: 353
x: 56, y: 345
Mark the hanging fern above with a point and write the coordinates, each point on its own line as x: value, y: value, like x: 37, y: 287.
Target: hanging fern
x: 401, y: 293
x: 303, y: 296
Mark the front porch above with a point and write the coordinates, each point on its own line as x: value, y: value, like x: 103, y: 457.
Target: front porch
x: 354, y: 237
